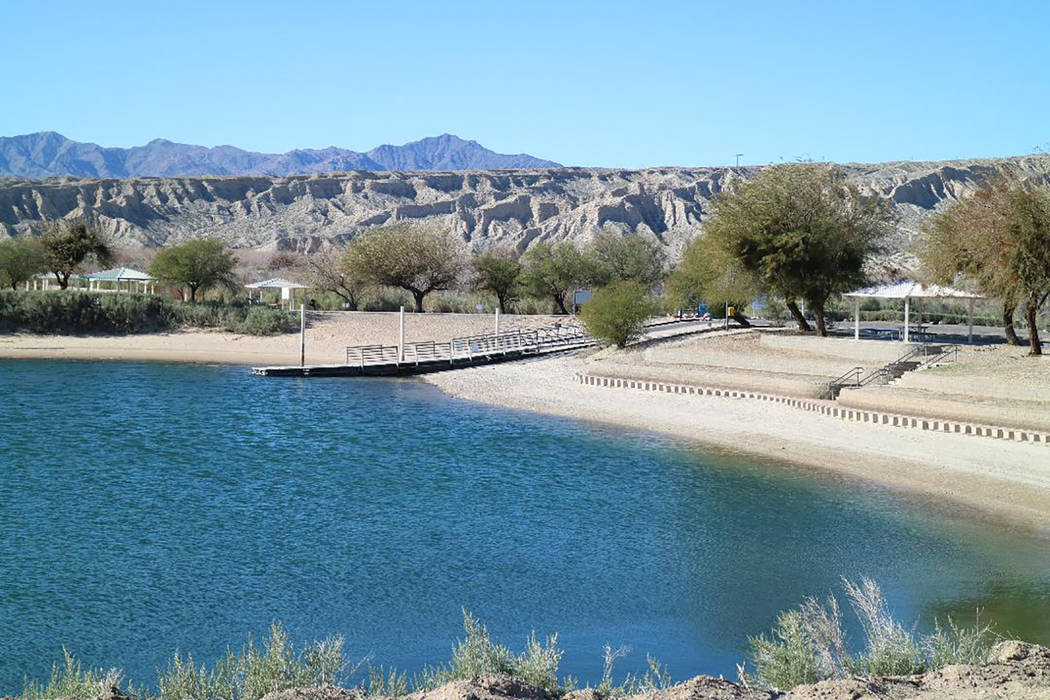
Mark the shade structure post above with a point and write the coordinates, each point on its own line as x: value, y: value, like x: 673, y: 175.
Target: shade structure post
x: 856, y: 318
x: 969, y: 323
x: 302, y: 335
x: 907, y: 319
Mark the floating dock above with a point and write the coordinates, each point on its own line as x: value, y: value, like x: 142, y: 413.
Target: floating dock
x: 427, y: 357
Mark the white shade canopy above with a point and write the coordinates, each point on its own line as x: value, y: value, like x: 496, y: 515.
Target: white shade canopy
x: 909, y: 289
x: 120, y: 274
x: 275, y: 283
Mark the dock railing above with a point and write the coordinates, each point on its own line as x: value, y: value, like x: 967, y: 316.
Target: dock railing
x: 525, y: 341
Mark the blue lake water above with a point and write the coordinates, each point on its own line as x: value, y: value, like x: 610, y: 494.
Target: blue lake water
x: 149, y: 507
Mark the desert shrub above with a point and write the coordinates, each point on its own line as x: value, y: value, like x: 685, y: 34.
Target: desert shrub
x: 476, y: 654
x: 74, y: 312
x: 384, y: 683
x: 256, y: 670
x: 72, y: 680
x: 807, y: 644
x: 786, y: 658
x: 617, y: 313
x: 385, y: 300
x: 263, y: 320
x: 890, y: 649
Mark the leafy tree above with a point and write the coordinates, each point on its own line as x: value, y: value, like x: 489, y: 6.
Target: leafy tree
x: 199, y: 264
x: 551, y: 270
x: 20, y: 259
x: 418, y: 260
x: 617, y: 312
x: 68, y: 244
x: 802, y: 231
x: 498, y: 272
x: 707, y: 272
x: 627, y: 257
x: 330, y: 274
x: 999, y: 239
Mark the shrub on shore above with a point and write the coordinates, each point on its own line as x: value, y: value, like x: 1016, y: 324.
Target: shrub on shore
x: 617, y: 313
x: 71, y: 312
x: 808, y: 643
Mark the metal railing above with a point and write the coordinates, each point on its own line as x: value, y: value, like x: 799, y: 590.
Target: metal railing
x: 467, y: 347
x: 919, y: 357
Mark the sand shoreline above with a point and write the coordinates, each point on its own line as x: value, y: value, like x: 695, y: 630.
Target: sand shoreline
x: 980, y: 477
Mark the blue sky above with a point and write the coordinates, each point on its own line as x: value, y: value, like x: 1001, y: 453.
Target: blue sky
x: 584, y: 83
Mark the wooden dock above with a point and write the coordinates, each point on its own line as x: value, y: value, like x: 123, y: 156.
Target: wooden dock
x: 426, y: 357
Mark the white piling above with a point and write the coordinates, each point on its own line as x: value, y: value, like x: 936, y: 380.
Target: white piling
x: 401, y: 336
x: 302, y: 335
x: 497, y: 325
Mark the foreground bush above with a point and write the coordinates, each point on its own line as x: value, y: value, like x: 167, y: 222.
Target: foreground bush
x: 255, y: 671
x: 277, y: 665
x: 617, y: 313
x: 71, y: 312
x: 808, y: 643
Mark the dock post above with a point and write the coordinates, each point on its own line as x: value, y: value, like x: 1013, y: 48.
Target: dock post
x: 401, y: 336
x: 302, y: 335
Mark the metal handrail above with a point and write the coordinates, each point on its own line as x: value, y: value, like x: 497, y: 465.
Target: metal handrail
x: 527, y: 340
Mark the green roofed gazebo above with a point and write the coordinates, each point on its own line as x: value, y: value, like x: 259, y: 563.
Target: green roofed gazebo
x: 117, y: 276
x: 908, y: 290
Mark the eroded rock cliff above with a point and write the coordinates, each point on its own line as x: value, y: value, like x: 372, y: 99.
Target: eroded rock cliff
x: 487, y: 208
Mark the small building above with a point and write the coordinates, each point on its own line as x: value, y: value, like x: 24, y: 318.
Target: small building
x: 287, y: 288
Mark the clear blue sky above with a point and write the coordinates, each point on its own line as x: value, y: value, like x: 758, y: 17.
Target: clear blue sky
x: 584, y: 83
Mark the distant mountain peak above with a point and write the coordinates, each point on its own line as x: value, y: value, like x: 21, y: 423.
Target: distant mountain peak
x: 48, y: 153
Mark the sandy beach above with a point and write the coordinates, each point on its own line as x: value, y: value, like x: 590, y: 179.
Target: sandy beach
x: 327, y: 336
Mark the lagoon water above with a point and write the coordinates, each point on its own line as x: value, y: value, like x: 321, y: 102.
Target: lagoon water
x: 149, y: 507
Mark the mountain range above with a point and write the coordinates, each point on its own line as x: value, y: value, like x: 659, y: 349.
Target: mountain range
x: 49, y: 154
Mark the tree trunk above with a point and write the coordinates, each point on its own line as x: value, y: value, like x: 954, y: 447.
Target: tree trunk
x: 193, y: 294
x: 1008, y: 324
x: 1035, y: 346
x: 63, y: 280
x: 818, y: 312
x: 418, y: 296
x: 797, y: 315
x: 740, y: 318
x: 502, y: 304
x: 559, y: 304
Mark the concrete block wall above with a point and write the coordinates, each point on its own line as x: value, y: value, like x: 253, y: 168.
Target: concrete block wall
x: 827, y: 408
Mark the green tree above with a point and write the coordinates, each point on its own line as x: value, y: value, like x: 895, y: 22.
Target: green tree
x: 551, y: 270
x: 499, y: 273
x: 418, y: 260
x: 199, y: 264
x: 802, y: 231
x: 707, y: 272
x: 68, y: 244
x: 330, y: 274
x: 626, y: 257
x: 617, y: 312
x: 999, y: 240
x: 20, y: 259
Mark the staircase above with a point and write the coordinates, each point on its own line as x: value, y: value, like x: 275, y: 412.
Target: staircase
x: 918, y: 357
